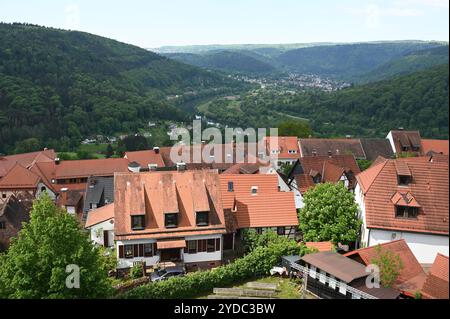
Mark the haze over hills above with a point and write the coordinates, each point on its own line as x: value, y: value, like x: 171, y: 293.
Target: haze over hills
x: 355, y: 62
x: 60, y: 85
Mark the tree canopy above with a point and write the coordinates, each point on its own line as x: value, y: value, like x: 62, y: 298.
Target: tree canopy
x: 49, y: 245
x: 329, y: 214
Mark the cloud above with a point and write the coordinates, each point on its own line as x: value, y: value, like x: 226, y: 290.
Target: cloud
x: 373, y: 13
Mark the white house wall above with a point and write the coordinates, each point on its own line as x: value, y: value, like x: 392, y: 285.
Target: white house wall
x: 425, y: 247
x: 97, y: 232
x: 204, y: 256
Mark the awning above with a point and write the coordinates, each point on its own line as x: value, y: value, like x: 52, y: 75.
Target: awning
x: 171, y: 244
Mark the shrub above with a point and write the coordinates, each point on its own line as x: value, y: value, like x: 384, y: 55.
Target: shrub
x: 255, y: 264
x: 136, y: 271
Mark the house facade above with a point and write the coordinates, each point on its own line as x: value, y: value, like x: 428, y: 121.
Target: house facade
x: 169, y: 217
x: 405, y: 199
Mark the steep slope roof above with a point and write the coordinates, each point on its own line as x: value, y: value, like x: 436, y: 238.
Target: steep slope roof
x: 435, y: 146
x: 325, y: 147
x: 436, y: 284
x: 429, y: 187
x: 411, y: 277
x: 374, y: 147
x: 19, y: 178
x: 157, y: 193
x: 268, y: 207
x: 145, y: 158
x: 26, y: 160
x: 285, y: 147
x: 100, y: 215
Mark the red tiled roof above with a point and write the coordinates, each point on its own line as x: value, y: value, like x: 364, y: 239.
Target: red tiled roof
x: 283, y: 144
x: 436, y: 284
x: 320, y: 246
x: 145, y: 158
x: 411, y: 276
x: 19, y: 178
x: 25, y: 160
x: 330, y: 169
x: 407, y: 139
x: 100, y: 215
x: 429, y: 188
x: 268, y: 208
x: 322, y: 147
x: 436, y: 146
x: 157, y: 193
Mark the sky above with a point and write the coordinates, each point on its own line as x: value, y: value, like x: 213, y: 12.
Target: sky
x: 155, y: 23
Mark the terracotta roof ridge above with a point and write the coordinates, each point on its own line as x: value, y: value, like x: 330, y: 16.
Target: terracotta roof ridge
x: 380, y: 167
x: 357, y: 251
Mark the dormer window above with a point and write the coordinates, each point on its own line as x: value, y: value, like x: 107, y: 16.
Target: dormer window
x: 406, y: 211
x: 171, y: 220
x: 202, y: 218
x: 404, y: 180
x: 138, y: 222
x: 292, y: 152
x: 254, y: 190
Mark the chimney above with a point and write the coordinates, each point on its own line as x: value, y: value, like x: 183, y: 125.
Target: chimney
x: 314, y: 152
x: 330, y: 153
x: 156, y: 150
x: 57, y: 161
x: 181, y: 167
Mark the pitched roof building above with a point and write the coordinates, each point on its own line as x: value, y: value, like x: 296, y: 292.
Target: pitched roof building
x: 254, y: 200
x: 411, y: 277
x: 436, y: 283
x: 312, y: 170
x: 406, y: 198
x: 435, y: 147
x: 146, y: 159
x: 406, y: 142
x: 327, y: 147
x: 26, y: 160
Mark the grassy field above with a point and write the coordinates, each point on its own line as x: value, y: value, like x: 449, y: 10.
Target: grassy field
x: 289, y: 289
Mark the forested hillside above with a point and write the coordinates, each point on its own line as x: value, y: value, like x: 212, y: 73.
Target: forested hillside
x: 347, y: 61
x: 418, y: 102
x: 246, y: 62
x: 408, y: 63
x: 58, y: 86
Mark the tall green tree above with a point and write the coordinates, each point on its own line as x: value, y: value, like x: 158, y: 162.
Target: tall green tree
x: 390, y: 265
x: 294, y: 128
x: 329, y: 214
x: 36, y: 263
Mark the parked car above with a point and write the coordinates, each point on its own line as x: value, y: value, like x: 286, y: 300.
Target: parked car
x: 165, y: 274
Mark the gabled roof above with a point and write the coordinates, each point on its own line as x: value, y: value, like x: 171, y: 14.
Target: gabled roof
x: 341, y: 267
x: 411, y: 276
x: 158, y: 193
x: 374, y: 147
x: 436, y: 283
x: 283, y: 144
x: 268, y: 208
x: 98, y: 189
x: 435, y: 146
x: 26, y: 160
x: 100, y: 215
x: 429, y: 188
x: 145, y: 158
x: 407, y: 139
x: 16, y: 209
x: 19, y: 178
x: 323, y: 147
x: 330, y: 169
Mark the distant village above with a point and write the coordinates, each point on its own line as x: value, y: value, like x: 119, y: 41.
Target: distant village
x: 154, y: 211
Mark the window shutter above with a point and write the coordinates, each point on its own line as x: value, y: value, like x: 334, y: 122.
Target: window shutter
x: 218, y: 244
x: 121, y: 251
x: 135, y: 250
x: 141, y: 250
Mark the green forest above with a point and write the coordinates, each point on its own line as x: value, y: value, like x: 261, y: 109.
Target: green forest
x: 57, y: 87
x: 418, y: 101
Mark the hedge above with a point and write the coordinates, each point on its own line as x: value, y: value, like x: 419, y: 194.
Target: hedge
x: 255, y: 264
